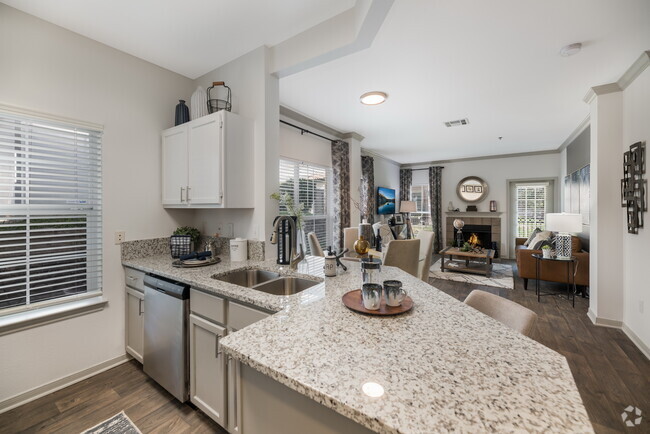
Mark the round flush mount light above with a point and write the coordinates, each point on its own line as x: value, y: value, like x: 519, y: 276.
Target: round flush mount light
x: 570, y: 50
x: 373, y: 98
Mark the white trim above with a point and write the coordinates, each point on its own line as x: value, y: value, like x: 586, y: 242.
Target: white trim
x: 61, y: 311
x: 34, y: 113
x: 61, y: 383
x: 581, y: 127
x: 636, y: 340
x: 604, y: 322
x: 635, y: 70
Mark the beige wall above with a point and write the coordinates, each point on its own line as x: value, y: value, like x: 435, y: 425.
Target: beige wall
x: 49, y: 69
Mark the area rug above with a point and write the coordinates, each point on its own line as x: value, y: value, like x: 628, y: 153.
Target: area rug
x: 118, y: 424
x: 501, y: 276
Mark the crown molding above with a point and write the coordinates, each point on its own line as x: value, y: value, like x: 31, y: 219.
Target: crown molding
x: 352, y: 135
x: 308, y: 122
x: 635, y: 70
x: 374, y: 154
x: 579, y: 129
x: 603, y: 89
x: 485, y: 157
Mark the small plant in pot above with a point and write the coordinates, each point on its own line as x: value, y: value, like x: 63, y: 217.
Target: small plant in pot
x: 546, y: 251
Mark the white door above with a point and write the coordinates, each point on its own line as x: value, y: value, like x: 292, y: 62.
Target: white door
x: 134, y: 323
x: 174, y: 166
x: 205, y: 160
x: 207, y: 369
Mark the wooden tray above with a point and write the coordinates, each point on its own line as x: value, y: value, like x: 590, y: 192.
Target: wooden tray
x: 195, y: 263
x: 352, y: 300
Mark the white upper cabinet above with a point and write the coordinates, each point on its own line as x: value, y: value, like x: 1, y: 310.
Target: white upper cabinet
x: 207, y: 163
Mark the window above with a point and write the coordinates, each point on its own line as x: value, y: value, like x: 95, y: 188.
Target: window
x: 531, y: 203
x: 50, y: 211
x: 421, y: 220
x: 308, y: 184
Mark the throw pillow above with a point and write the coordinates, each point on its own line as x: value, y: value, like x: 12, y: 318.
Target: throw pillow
x: 543, y: 237
x: 530, y: 238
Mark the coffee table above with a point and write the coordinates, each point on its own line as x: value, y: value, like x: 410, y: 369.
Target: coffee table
x: 484, y: 268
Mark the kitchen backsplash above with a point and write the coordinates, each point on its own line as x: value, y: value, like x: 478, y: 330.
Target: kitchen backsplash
x: 160, y: 246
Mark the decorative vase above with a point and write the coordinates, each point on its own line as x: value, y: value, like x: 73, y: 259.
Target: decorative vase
x: 198, y: 104
x: 493, y: 206
x: 546, y: 253
x: 361, y: 246
x: 365, y: 230
x: 182, y: 113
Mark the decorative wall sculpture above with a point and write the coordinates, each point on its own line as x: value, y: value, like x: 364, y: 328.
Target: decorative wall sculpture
x: 634, y: 187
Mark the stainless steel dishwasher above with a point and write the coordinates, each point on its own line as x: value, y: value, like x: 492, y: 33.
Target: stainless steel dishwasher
x: 166, y: 357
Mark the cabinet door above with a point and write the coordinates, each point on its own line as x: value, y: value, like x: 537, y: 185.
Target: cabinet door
x: 207, y: 369
x: 234, y: 395
x: 134, y: 323
x: 174, y: 166
x: 205, y: 161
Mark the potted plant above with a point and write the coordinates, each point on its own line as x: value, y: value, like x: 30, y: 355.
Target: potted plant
x: 286, y: 200
x: 546, y: 251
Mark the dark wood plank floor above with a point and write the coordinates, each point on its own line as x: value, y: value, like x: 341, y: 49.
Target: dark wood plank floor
x: 610, y: 371
x: 87, y: 403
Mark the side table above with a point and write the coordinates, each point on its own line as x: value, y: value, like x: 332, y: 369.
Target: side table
x: 571, y: 267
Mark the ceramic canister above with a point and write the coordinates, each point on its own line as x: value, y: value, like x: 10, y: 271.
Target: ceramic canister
x: 238, y: 249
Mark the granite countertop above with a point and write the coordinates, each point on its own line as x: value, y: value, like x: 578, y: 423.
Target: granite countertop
x: 443, y: 366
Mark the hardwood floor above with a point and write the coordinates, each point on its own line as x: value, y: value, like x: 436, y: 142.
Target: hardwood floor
x: 610, y: 371
x: 89, y: 402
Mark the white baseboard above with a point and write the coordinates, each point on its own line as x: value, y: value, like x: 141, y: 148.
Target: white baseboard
x: 636, y: 340
x: 59, y: 384
x: 604, y: 322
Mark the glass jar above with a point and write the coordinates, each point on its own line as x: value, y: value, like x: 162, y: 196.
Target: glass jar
x: 371, y: 271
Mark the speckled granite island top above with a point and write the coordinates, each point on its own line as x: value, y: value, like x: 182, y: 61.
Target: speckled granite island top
x: 443, y: 367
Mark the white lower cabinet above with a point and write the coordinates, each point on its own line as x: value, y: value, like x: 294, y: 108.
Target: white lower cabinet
x: 207, y: 368
x: 134, y: 323
x: 234, y: 396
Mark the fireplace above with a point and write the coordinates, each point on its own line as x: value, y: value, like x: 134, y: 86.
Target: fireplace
x: 481, y: 235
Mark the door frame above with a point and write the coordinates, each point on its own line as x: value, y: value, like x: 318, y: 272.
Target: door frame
x: 510, y: 183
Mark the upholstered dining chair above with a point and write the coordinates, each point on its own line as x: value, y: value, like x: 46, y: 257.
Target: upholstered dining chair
x: 426, y: 250
x: 404, y: 254
x: 501, y: 309
x: 314, y: 245
x: 350, y: 235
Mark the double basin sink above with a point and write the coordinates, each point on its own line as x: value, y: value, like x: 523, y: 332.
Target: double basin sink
x: 268, y: 282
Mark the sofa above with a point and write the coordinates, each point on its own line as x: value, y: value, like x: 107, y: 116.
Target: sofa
x: 552, y: 271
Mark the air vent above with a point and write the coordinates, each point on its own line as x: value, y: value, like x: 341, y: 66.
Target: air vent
x: 457, y: 123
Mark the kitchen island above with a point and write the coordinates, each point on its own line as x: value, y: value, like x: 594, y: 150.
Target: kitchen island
x: 441, y: 367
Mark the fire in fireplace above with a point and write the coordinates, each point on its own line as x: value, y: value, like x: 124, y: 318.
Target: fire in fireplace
x: 480, y: 235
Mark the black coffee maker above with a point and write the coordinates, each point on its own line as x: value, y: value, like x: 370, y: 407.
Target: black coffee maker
x: 284, y: 241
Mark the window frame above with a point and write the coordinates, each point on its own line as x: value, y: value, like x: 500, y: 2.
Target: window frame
x: 421, y: 213
x: 30, y: 314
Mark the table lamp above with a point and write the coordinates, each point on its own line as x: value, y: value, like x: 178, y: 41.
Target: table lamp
x: 406, y: 207
x: 564, y: 224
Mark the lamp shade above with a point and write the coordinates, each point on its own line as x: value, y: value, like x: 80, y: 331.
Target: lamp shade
x: 564, y: 222
x: 407, y: 206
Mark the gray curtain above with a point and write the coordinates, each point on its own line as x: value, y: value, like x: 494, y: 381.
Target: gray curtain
x: 341, y: 189
x: 405, y: 180
x: 368, y: 187
x: 435, y: 199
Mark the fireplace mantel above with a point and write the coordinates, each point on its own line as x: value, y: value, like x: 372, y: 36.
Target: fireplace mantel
x: 472, y: 214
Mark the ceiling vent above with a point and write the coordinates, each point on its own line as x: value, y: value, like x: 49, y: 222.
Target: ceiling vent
x: 457, y: 123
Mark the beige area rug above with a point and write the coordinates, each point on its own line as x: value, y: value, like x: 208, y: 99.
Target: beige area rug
x: 118, y: 424
x: 501, y: 276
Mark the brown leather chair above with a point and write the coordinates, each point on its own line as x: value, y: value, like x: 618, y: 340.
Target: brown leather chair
x: 552, y: 271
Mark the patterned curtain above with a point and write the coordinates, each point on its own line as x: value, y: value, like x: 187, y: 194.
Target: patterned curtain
x: 405, y: 180
x: 341, y: 189
x: 368, y: 187
x: 435, y: 199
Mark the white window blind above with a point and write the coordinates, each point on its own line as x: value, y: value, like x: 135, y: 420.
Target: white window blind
x: 50, y: 211
x: 530, y: 206
x: 308, y: 184
x: 421, y: 219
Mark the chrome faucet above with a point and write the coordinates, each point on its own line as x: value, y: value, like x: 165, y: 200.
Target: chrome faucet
x: 293, y: 258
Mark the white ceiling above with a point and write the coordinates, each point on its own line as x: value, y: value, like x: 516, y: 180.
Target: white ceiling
x: 190, y: 37
x: 494, y: 62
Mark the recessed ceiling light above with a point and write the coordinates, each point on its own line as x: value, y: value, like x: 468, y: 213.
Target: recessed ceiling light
x: 373, y: 98
x: 570, y: 50
x: 372, y: 389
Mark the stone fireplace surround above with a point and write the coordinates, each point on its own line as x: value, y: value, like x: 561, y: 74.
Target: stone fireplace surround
x: 475, y: 218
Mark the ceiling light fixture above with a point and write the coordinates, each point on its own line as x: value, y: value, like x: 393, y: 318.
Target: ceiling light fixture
x: 570, y: 50
x: 372, y: 389
x: 373, y: 98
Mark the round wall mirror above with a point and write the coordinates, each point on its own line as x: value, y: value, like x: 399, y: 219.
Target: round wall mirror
x: 472, y: 189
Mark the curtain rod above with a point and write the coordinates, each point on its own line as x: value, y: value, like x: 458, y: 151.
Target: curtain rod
x: 304, y: 130
x: 426, y: 168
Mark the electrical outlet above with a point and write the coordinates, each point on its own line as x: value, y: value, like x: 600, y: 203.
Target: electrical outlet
x: 120, y: 237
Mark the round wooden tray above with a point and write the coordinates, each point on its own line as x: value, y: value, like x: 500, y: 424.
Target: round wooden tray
x: 195, y: 263
x: 352, y: 300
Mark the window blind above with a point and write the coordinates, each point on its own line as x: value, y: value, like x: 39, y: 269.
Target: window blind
x: 531, y: 208
x: 421, y: 219
x: 308, y: 184
x: 50, y: 210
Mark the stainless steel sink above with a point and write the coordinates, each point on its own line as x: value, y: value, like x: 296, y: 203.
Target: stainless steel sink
x: 247, y: 278
x: 285, y: 286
